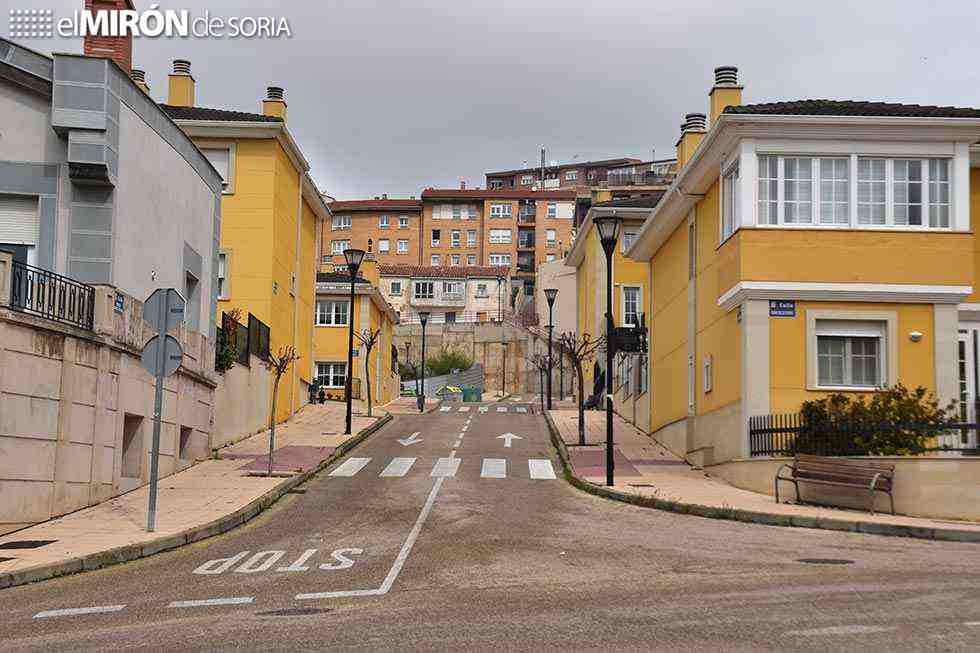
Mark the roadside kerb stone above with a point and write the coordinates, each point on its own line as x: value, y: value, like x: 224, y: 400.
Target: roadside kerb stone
x: 751, y: 516
x: 196, y: 534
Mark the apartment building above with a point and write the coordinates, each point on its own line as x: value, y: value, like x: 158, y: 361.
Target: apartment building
x: 516, y: 229
x: 454, y: 294
x: 370, y: 314
x: 581, y: 175
x: 270, y: 208
x: 388, y: 227
x: 809, y: 247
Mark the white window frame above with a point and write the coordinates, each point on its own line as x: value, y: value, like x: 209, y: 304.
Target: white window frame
x: 227, y: 185
x: 452, y: 287
x: 436, y: 239
x: 729, y: 219
x: 428, y: 287
x: 455, y: 259
x: 501, y: 210
x: 551, y: 237
x: 224, y: 274
x: 501, y: 237
x: 471, y: 259
x: 471, y: 237
x: 341, y: 223
x: 395, y: 288
x: 402, y: 246
x: 384, y: 221
x: 481, y: 290
x: 549, y: 258
x: 707, y: 376
x: 527, y: 180
x: 457, y: 212
x: 456, y: 238
x: 403, y: 222
x: 326, y: 312
x: 833, y: 322
x: 337, y: 247
x: 552, y: 210
x: 501, y: 259
x: 384, y: 246
x: 331, y: 373
x: 571, y: 175
x: 622, y: 305
x: 930, y: 182
x: 435, y: 260
x: 629, y: 237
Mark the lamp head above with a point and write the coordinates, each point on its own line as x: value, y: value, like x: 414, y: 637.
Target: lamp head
x: 550, y: 294
x: 608, y: 227
x: 424, y: 317
x: 354, y: 258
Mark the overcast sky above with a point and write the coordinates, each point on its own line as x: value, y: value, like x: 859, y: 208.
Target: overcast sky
x: 392, y: 97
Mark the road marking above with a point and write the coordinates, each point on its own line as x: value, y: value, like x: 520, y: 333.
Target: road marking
x: 484, y: 409
x: 399, y: 561
x: 515, y: 398
x: 843, y: 630
x: 971, y: 623
x: 445, y: 467
x: 235, y: 600
x: 71, y: 612
x: 457, y: 443
x: 300, y: 563
x: 494, y: 468
x: 445, y: 409
x: 541, y: 469
x: 508, y: 438
x: 412, y: 439
x: 464, y: 409
x: 501, y: 409
x: 350, y: 467
x: 522, y: 409
x: 465, y: 426
x: 261, y: 561
x: 398, y: 467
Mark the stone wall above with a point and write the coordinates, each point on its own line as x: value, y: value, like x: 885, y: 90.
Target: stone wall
x: 76, y: 408
x: 242, y: 402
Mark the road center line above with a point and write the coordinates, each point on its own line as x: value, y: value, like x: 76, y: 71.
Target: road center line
x: 234, y: 600
x: 843, y: 630
x: 71, y: 612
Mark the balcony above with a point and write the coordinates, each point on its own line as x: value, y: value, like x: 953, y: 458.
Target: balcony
x: 51, y: 296
x: 525, y: 243
x: 641, y: 178
x: 440, y: 299
x: 526, y: 217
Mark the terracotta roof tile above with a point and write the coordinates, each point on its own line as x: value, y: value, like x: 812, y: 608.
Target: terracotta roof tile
x: 499, y: 194
x: 561, y: 166
x: 853, y: 108
x: 370, y: 205
x: 440, y: 272
x: 204, y: 113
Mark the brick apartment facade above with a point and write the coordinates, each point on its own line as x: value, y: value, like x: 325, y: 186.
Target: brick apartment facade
x: 580, y: 175
x: 518, y: 229
x: 390, y: 228
x: 461, y: 294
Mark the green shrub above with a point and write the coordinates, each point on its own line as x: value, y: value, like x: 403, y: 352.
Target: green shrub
x: 406, y: 372
x: 446, y: 361
x: 895, y: 421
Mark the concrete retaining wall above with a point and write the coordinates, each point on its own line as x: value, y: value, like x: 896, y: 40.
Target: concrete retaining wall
x: 242, y: 402
x: 941, y: 488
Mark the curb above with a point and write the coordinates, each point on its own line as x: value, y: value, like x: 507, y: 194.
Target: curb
x: 753, y: 516
x: 196, y: 534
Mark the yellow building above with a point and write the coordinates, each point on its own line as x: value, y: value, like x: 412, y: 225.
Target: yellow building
x: 269, y: 209
x: 372, y: 314
x: 631, y: 291
x: 805, y: 248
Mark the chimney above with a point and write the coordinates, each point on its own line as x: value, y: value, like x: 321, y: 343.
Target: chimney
x: 369, y: 269
x: 726, y: 92
x: 692, y: 131
x: 462, y: 184
x: 139, y: 76
x: 180, y: 85
x: 117, y: 48
x: 274, y: 103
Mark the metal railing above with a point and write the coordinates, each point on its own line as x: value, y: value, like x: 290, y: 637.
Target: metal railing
x: 51, y: 296
x: 526, y: 217
x: 525, y: 243
x: 644, y: 178
x: 790, y: 434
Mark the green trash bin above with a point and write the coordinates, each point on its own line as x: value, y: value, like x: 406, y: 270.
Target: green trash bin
x: 470, y: 393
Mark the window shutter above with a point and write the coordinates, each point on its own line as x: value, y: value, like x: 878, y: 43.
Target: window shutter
x: 19, y: 222
x: 854, y: 328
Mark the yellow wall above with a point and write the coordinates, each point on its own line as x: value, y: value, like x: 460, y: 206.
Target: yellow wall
x: 975, y: 227
x: 668, y: 331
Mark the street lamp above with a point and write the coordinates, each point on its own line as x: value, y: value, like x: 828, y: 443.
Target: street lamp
x: 423, y: 318
x: 550, y: 294
x: 354, y: 258
x: 503, y: 345
x: 500, y: 289
x: 408, y: 362
x: 608, y: 228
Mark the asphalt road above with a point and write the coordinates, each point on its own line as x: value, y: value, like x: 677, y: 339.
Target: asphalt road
x: 465, y: 560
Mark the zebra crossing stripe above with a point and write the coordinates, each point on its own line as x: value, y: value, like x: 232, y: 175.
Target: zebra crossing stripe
x: 541, y: 469
x: 398, y: 467
x: 484, y: 409
x: 445, y: 409
x: 501, y: 409
x: 350, y: 467
x: 494, y: 468
x: 445, y: 468
x: 464, y: 409
x: 522, y: 409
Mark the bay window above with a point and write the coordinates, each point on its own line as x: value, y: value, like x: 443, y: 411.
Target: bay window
x: 889, y: 192
x: 729, y: 207
x: 424, y: 290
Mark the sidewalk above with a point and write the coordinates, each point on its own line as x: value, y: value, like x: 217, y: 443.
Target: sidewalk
x: 199, y: 502
x: 646, y: 473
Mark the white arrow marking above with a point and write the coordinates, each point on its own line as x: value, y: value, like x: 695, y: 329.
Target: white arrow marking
x: 508, y: 438
x: 412, y: 439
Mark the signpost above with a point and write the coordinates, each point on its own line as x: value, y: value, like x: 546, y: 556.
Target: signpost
x: 163, y: 310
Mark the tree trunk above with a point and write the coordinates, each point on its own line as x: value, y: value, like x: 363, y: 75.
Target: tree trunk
x: 581, y: 403
x: 272, y: 422
x: 367, y: 377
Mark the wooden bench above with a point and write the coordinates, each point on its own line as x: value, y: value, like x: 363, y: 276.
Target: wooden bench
x: 839, y: 472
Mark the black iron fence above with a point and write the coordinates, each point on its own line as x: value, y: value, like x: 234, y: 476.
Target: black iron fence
x: 789, y: 434
x: 51, y: 296
x: 258, y: 337
x: 252, y: 339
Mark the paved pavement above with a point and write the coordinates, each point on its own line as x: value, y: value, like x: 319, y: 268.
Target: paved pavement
x: 436, y: 535
x: 645, y: 468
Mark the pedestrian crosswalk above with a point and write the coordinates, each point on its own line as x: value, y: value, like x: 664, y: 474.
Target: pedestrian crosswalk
x: 537, y: 468
x: 484, y: 409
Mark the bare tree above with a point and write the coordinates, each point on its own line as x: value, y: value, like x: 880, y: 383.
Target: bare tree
x: 369, y: 339
x: 580, y: 350
x: 540, y: 363
x: 277, y: 364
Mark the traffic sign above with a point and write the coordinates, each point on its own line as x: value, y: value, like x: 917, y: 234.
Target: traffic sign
x: 173, y: 305
x: 173, y: 354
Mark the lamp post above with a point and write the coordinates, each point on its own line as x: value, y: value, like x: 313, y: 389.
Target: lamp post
x: 354, y: 258
x: 500, y: 290
x: 503, y: 345
x: 608, y: 228
x: 550, y: 294
x: 423, y: 318
x: 408, y: 361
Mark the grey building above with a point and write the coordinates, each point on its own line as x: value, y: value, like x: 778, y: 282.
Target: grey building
x: 99, y: 185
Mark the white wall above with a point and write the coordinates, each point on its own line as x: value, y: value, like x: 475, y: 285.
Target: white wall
x: 26, y: 133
